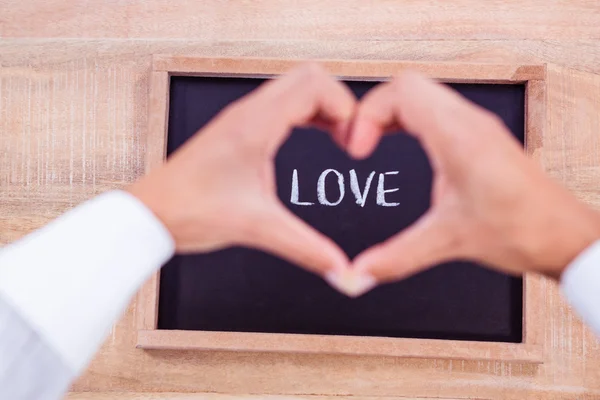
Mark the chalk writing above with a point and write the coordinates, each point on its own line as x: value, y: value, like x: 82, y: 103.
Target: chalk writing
x: 360, y: 196
x: 381, y: 191
x: 321, y: 195
x: 295, y: 199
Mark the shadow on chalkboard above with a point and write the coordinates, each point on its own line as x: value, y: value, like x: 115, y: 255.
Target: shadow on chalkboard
x: 246, y: 290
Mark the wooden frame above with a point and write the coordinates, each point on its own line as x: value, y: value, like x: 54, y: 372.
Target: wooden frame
x: 531, y: 350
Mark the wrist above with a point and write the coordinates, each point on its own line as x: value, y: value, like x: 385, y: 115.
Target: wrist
x: 153, y: 200
x: 569, y: 236
x: 184, y: 223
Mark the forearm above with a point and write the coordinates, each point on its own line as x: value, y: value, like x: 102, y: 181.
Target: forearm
x: 70, y: 281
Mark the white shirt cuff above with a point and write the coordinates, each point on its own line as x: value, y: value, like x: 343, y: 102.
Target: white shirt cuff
x: 74, y: 277
x: 581, y: 285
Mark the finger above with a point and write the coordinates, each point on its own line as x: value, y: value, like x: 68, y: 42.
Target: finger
x: 338, y: 132
x: 432, y: 112
x: 280, y: 232
x: 429, y: 241
x: 306, y: 94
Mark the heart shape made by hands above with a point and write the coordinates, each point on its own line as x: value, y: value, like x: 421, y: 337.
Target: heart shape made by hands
x: 482, y: 192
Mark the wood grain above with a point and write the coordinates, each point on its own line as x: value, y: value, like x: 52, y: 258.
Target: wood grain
x: 215, y: 396
x: 351, y: 69
x: 332, y: 344
x: 73, y: 115
x: 572, y: 152
x: 534, y: 316
x: 303, y: 20
x: 582, y: 54
x: 74, y: 128
x: 536, y: 121
x: 536, y: 128
x: 156, y: 153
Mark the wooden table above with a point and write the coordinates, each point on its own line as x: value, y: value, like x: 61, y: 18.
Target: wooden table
x: 73, y: 108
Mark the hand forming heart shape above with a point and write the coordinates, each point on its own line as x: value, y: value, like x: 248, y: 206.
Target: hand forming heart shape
x: 490, y: 203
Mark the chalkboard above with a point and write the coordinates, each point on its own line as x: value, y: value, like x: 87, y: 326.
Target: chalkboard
x: 245, y: 290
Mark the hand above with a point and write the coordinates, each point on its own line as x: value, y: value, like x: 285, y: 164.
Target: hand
x: 218, y: 190
x: 490, y: 202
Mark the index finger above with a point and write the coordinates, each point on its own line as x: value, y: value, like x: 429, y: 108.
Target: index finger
x: 305, y: 95
x: 430, y: 111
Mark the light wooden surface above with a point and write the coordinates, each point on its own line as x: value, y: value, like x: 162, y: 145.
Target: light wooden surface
x: 73, y: 103
x: 304, y: 20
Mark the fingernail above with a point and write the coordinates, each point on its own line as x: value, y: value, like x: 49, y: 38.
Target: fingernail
x: 350, y: 283
x: 359, y: 137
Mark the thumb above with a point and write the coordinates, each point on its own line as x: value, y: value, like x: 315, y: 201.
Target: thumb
x: 282, y: 233
x: 429, y: 241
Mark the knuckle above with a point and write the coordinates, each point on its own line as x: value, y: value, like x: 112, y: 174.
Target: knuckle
x: 396, y: 82
x: 492, y: 120
x: 399, y: 82
x: 394, y: 89
x: 236, y: 112
x: 241, y: 128
x: 312, y: 70
x: 310, y: 76
x: 479, y: 119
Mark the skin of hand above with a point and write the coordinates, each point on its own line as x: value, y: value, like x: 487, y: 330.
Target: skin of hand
x: 490, y: 203
x: 218, y: 190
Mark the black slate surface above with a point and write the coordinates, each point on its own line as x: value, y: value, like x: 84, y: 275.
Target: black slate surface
x: 246, y: 290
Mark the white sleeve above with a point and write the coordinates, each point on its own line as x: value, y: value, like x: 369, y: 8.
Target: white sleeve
x: 74, y: 277
x: 581, y: 285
